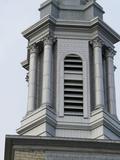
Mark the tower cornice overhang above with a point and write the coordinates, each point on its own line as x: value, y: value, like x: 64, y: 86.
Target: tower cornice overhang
x: 39, y: 26
x: 48, y: 24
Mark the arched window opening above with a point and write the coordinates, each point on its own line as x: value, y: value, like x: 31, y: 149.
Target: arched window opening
x: 73, y: 85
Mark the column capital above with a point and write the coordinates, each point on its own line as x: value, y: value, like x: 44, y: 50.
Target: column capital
x: 110, y: 52
x: 34, y: 48
x: 49, y: 40
x: 97, y: 42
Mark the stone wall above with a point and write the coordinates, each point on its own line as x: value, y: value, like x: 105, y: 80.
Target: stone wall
x: 62, y: 155
x: 29, y: 155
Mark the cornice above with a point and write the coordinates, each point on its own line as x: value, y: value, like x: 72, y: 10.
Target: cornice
x: 66, y: 144
x: 108, y: 29
x: 38, y: 25
x: 96, y: 22
x: 89, y: 24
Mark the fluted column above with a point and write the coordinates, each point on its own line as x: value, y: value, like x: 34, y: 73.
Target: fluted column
x: 98, y: 73
x: 110, y: 81
x: 32, y: 84
x: 47, y: 87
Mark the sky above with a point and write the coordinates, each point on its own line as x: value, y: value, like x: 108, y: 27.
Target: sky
x: 15, y: 17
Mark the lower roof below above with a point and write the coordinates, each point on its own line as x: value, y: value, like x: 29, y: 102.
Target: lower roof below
x: 49, y: 148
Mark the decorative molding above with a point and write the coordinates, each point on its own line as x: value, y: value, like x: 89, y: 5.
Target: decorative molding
x: 34, y: 48
x: 49, y: 39
x: 110, y: 52
x: 97, y: 42
x: 38, y: 25
x: 28, y: 33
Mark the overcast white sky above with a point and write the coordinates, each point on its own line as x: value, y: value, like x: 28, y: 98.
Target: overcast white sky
x: 16, y: 16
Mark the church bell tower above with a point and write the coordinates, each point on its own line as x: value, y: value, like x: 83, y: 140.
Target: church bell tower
x: 70, y: 73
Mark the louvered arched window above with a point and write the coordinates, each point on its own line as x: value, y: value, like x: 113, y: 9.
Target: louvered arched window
x: 73, y: 85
